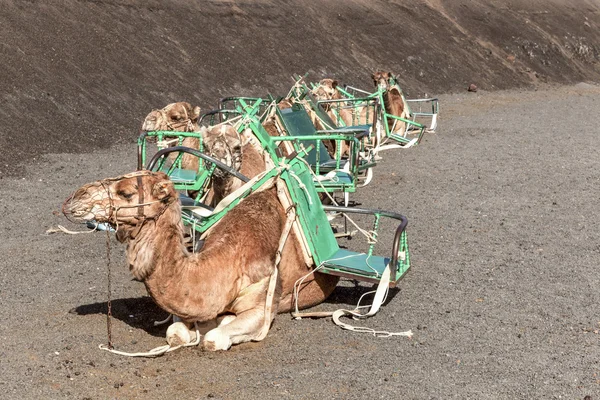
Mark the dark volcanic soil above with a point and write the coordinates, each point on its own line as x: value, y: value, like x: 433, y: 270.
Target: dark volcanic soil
x: 502, y: 201
x: 81, y: 74
x: 502, y: 296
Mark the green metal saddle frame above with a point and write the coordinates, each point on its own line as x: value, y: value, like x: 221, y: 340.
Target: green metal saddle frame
x: 386, y: 121
x: 312, y: 219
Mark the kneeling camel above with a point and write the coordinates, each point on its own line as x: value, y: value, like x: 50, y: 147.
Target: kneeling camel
x: 230, y: 274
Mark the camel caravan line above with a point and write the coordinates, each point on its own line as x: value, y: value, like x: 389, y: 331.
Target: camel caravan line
x: 244, y: 212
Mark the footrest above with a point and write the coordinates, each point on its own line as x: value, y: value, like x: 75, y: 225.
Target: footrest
x: 361, y: 266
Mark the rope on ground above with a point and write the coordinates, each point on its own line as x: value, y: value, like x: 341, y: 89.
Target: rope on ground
x: 157, y: 351
x: 62, y: 229
x: 380, y: 296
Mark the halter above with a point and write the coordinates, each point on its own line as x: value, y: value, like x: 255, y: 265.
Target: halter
x: 187, y: 122
x: 236, y: 160
x: 141, y: 218
x: 390, y: 83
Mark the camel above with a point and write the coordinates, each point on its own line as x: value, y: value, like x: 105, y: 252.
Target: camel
x: 224, y: 143
x: 178, y: 117
x: 228, y: 277
x: 393, y: 100
x: 327, y: 90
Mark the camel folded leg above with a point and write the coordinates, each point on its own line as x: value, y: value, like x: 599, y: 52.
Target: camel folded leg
x: 245, y: 327
x: 181, y: 333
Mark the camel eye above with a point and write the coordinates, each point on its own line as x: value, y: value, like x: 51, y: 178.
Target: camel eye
x: 125, y: 195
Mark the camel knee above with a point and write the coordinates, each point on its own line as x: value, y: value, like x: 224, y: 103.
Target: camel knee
x: 178, y: 334
x: 224, y: 320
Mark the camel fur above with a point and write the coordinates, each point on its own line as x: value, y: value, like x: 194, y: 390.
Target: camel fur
x: 230, y: 274
x: 393, y: 99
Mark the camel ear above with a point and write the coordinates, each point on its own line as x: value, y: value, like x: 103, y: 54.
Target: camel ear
x: 161, y: 190
x: 334, y: 84
x: 195, y: 114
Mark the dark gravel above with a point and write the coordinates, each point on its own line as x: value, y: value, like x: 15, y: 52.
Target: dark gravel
x: 502, y: 297
x: 502, y: 201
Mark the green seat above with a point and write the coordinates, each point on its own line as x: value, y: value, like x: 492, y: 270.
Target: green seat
x: 360, y: 266
x: 179, y: 175
x: 340, y: 181
x: 297, y: 123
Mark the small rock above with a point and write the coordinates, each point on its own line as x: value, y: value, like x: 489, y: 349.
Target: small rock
x: 472, y: 88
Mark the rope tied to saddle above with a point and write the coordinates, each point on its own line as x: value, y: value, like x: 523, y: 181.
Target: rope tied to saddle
x: 380, y: 297
x: 270, y: 300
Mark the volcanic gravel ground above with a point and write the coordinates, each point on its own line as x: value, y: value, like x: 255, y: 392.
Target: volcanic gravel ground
x: 502, y: 296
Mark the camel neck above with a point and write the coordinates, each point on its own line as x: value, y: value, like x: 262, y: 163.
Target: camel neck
x: 177, y: 280
x: 158, y: 240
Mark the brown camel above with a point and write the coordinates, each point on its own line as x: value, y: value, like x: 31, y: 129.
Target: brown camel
x: 393, y: 100
x: 178, y: 117
x: 230, y: 274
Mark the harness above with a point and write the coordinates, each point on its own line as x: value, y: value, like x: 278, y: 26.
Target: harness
x: 187, y: 122
x: 141, y: 218
x: 236, y: 156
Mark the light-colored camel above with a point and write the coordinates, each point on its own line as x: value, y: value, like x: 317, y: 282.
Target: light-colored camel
x: 351, y: 116
x: 230, y: 274
x: 177, y: 117
x: 224, y: 143
x: 393, y: 100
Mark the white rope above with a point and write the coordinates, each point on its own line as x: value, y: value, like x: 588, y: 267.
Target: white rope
x: 269, y: 301
x: 163, y: 144
x: 164, y: 321
x: 302, y: 186
x: 380, y: 297
x: 62, y: 229
x: 157, y: 351
x: 299, y: 282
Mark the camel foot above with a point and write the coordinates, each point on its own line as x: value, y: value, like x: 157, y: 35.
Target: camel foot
x: 215, y: 340
x: 178, y: 334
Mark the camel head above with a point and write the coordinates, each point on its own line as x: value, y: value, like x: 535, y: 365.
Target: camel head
x: 124, y: 202
x: 384, y: 80
x: 180, y: 117
x: 327, y: 90
x: 225, y: 144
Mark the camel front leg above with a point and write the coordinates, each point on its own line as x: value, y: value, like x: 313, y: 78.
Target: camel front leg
x: 244, y: 327
x: 181, y: 333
